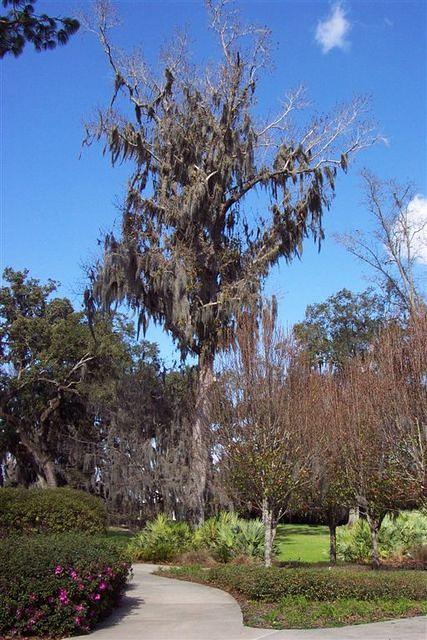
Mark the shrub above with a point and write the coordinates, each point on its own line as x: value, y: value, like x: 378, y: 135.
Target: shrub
x: 273, y: 584
x: 224, y: 538
x: 49, y: 511
x: 57, y: 585
x: 354, y: 543
x: 228, y: 536
x: 399, y: 536
x: 161, y: 540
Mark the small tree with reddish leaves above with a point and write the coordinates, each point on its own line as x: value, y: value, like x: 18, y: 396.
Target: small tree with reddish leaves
x: 328, y: 495
x: 262, y: 427
x: 382, y: 410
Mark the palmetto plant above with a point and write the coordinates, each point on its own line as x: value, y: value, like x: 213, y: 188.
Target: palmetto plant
x: 228, y: 536
x: 161, y: 540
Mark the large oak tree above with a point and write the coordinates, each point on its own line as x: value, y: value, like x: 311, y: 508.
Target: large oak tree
x: 190, y: 254
x: 51, y: 364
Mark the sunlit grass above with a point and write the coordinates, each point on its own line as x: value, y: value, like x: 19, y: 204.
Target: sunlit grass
x: 302, y: 543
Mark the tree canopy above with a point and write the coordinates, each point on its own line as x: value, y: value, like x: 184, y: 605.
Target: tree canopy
x: 190, y: 255
x: 341, y: 327
x: 21, y: 25
x: 52, y: 361
x: 396, y: 246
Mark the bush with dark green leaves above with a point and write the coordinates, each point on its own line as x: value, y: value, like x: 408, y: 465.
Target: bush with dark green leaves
x: 273, y: 584
x: 61, y: 585
x: 30, y: 511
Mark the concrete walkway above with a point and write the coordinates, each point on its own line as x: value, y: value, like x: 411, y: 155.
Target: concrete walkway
x: 156, y: 608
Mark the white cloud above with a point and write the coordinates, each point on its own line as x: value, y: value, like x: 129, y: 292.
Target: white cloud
x: 332, y: 31
x: 417, y: 223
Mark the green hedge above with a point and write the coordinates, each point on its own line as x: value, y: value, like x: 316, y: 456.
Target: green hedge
x: 29, y: 511
x: 271, y: 585
x: 53, y: 586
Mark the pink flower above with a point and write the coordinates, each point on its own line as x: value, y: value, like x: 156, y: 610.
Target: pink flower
x: 58, y: 570
x: 96, y: 597
x: 102, y: 586
x: 73, y: 574
x: 79, y: 607
x: 81, y: 586
x: 78, y: 621
x: 63, y: 596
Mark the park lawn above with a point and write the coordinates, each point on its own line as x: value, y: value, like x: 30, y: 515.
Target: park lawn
x: 117, y: 537
x: 302, y: 543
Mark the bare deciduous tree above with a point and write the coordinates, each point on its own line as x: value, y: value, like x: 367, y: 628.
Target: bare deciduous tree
x: 398, y: 241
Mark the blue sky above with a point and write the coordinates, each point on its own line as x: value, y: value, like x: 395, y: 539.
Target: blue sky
x: 54, y: 204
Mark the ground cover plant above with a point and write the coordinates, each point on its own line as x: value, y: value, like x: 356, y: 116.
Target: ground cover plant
x: 50, y: 511
x: 54, y: 586
x: 293, y: 597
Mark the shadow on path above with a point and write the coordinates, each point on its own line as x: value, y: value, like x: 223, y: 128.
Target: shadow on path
x: 158, y: 608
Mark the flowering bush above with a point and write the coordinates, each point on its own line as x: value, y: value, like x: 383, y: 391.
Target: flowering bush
x: 58, y: 585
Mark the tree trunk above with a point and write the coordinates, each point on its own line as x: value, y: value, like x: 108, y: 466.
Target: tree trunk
x: 374, y: 525
x: 199, y: 458
x: 43, y: 462
x: 353, y: 516
x: 269, y: 533
x: 332, y: 543
x: 49, y: 473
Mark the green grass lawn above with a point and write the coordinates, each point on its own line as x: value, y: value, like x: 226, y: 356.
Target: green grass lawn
x: 120, y: 538
x: 302, y: 543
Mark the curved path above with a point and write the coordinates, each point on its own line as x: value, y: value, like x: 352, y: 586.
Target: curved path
x: 156, y: 608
